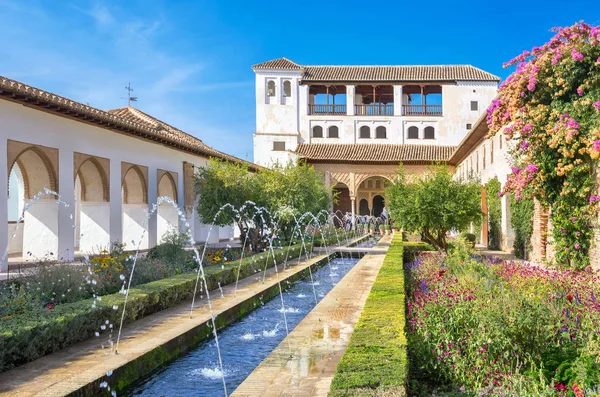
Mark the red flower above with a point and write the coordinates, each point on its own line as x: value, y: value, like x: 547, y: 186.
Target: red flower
x: 560, y: 387
x: 578, y: 392
x: 441, y: 273
x: 49, y: 306
x: 570, y: 298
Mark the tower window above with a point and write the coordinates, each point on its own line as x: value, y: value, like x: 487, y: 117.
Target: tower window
x: 413, y: 132
x: 271, y: 88
x: 365, y: 132
x: 333, y: 132
x: 278, y: 146
x: 317, y: 131
x: 474, y: 106
x: 429, y: 133
x: 287, y: 88
x: 380, y: 132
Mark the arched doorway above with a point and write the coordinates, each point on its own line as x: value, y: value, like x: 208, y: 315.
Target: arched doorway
x: 343, y: 204
x: 92, y: 208
x: 135, y: 207
x: 168, y: 218
x: 33, y: 234
x: 363, y: 207
x: 378, y: 205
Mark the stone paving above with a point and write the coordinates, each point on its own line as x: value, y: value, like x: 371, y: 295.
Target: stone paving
x: 71, y: 369
x: 304, y: 363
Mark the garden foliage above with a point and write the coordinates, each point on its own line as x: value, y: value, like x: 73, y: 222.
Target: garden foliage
x: 549, y: 109
x: 434, y: 204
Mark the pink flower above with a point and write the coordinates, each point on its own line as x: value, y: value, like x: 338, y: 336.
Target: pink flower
x: 524, y: 145
x: 596, y: 145
x: 597, y: 105
x: 577, y: 56
x: 532, y: 168
x: 580, y: 91
x: 593, y: 199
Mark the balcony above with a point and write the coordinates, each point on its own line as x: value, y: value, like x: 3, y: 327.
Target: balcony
x: 327, y: 109
x: 421, y: 110
x: 374, y: 110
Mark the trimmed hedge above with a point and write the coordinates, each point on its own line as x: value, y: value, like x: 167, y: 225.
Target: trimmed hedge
x: 29, y: 336
x: 411, y: 249
x: 375, y: 362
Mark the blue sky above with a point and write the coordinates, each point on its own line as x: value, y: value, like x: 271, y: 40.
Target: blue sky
x: 189, y: 62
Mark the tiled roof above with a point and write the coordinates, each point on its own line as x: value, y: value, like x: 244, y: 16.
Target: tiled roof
x: 124, y: 120
x: 281, y: 63
x: 313, y: 73
x: 373, y: 153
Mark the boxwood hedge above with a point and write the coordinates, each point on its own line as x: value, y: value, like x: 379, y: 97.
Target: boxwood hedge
x: 375, y: 362
x: 28, y: 336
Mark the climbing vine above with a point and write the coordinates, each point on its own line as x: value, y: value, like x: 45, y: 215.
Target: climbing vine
x: 522, y: 223
x: 494, y: 210
x: 549, y: 108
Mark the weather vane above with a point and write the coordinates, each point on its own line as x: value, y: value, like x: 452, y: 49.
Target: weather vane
x: 129, y: 97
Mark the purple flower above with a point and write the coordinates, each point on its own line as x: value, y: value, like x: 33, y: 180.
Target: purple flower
x: 577, y: 57
x: 597, y: 144
x: 573, y: 219
x: 580, y: 91
x: 531, y: 85
x: 532, y: 168
x: 597, y: 105
x: 527, y: 127
x: 577, y: 246
x: 593, y: 199
x: 524, y: 145
x: 562, y: 230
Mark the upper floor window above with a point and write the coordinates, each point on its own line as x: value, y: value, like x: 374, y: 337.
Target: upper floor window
x: 271, y: 88
x: 469, y: 125
x: 287, y: 88
x: 278, y: 146
x: 365, y: 132
x: 429, y: 133
x: 380, y: 132
x: 413, y: 132
x: 474, y: 105
x: 377, y: 184
x: 333, y: 132
x: 317, y: 131
x: 500, y: 141
x: 491, y: 151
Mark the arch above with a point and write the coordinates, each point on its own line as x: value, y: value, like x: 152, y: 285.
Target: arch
x: 413, y: 132
x: 167, y: 187
x: 429, y: 133
x: 37, y: 171
x: 362, y: 178
x: 333, y: 132
x: 287, y: 88
x: 135, y: 188
x: 271, y: 88
x: 344, y: 204
x: 317, y: 131
x: 94, y: 181
x: 363, y: 207
x: 378, y: 205
x: 381, y: 132
x: 365, y: 132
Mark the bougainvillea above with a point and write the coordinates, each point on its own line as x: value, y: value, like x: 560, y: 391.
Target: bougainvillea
x: 550, y: 108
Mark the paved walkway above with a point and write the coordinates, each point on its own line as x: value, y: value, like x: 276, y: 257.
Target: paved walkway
x: 304, y: 363
x: 483, y: 250
x: 70, y: 369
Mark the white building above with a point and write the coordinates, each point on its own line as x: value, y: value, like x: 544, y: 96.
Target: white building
x: 418, y: 105
x: 109, y: 168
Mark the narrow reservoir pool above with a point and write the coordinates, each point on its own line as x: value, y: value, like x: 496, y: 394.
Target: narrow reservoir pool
x: 245, y: 343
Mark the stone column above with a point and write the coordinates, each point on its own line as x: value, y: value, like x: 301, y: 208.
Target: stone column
x: 152, y: 198
x: 3, y: 208
x: 507, y: 231
x: 484, y: 222
x: 353, y: 205
x: 397, y: 100
x: 66, y: 211
x: 350, y: 90
x: 116, y: 202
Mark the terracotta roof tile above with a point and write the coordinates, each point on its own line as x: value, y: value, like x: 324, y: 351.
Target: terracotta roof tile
x: 280, y: 63
x: 381, y: 73
x: 128, y: 120
x: 373, y: 153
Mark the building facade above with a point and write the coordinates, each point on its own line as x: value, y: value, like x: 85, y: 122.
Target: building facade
x: 379, y: 105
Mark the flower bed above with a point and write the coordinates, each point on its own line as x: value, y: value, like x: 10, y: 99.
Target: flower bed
x: 488, y: 327
x: 375, y: 361
x: 35, y: 333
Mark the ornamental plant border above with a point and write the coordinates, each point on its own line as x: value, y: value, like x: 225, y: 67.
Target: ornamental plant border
x: 29, y: 336
x: 376, y: 358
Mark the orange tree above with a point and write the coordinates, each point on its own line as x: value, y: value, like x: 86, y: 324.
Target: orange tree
x: 549, y: 107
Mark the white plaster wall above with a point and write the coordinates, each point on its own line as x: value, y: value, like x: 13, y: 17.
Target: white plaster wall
x: 94, y: 226
x: 15, y: 238
x: 277, y: 115
x: 135, y: 226
x: 226, y: 233
x: 36, y: 127
x: 40, y: 230
x: 168, y: 220
x: 263, y: 149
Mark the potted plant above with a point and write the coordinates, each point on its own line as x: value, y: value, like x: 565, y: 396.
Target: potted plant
x: 388, y: 229
x: 381, y: 229
x: 372, y: 229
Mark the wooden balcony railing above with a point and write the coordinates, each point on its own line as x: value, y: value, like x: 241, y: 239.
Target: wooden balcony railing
x: 374, y: 110
x: 422, y: 110
x: 326, y: 109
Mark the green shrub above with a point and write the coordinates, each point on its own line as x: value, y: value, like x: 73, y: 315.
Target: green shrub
x: 413, y: 248
x: 32, y: 334
x: 375, y: 362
